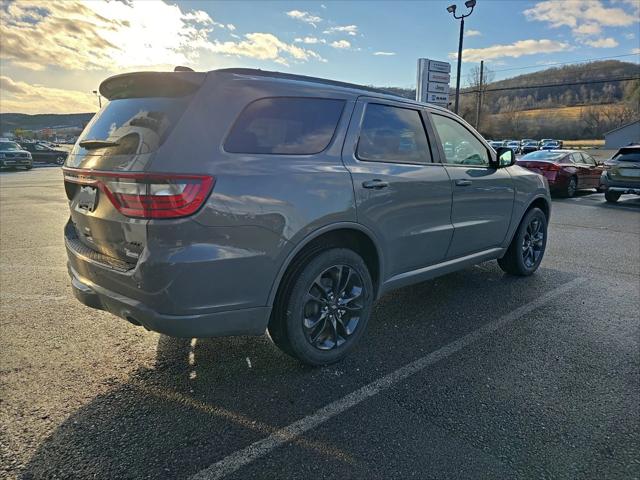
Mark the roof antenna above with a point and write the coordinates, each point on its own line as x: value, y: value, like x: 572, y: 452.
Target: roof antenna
x: 180, y: 68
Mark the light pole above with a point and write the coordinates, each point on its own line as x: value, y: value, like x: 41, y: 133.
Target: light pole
x: 452, y: 9
x: 99, y: 98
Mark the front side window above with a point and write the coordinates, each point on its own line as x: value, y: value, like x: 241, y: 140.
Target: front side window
x: 460, y: 146
x: 392, y: 134
x: 576, y: 157
x: 588, y: 159
x: 285, y: 125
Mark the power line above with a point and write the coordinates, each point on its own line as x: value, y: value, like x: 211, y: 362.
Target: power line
x: 550, y: 85
x: 567, y: 63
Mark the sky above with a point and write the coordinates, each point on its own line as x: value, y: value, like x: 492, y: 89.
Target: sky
x: 54, y: 53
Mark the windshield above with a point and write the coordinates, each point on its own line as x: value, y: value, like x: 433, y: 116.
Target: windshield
x: 9, y: 146
x: 542, y: 156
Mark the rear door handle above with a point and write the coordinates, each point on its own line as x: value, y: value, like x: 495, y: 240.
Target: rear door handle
x: 463, y: 183
x: 376, y: 184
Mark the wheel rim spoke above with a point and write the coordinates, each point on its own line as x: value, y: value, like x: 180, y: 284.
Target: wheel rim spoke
x: 332, y: 307
x: 532, y: 243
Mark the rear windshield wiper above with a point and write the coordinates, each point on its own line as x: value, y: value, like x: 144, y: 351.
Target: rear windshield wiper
x: 90, y: 144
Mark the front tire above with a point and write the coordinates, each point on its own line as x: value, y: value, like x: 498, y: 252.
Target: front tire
x: 527, y: 248
x: 324, y: 307
x: 612, y: 197
x: 60, y: 160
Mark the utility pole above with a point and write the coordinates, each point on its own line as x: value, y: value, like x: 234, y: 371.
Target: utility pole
x: 479, y: 104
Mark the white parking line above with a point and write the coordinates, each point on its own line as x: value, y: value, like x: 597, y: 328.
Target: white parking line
x: 260, y: 448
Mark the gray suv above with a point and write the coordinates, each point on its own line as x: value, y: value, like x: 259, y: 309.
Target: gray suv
x: 239, y: 201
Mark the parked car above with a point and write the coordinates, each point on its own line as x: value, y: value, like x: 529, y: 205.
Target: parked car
x: 527, y: 140
x: 544, y: 140
x: 12, y: 155
x: 529, y: 147
x: 496, y: 144
x: 622, y: 173
x: 567, y: 171
x: 551, y: 145
x: 43, y: 153
x: 514, y: 145
x: 293, y: 204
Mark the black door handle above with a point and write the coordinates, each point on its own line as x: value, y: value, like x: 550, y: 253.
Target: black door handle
x: 463, y: 183
x: 376, y: 184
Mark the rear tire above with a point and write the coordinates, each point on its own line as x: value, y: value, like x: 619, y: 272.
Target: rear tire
x: 527, y: 248
x: 612, y: 197
x: 324, y: 307
x: 60, y: 160
x: 571, y: 188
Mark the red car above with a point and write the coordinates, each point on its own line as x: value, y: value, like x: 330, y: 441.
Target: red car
x: 566, y: 170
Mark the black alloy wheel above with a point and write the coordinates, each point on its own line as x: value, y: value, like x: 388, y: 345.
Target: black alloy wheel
x: 532, y: 242
x: 333, y: 307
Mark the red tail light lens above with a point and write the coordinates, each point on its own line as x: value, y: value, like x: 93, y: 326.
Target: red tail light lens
x: 143, y: 195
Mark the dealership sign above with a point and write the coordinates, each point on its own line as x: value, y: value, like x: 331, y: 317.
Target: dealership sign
x: 432, y: 84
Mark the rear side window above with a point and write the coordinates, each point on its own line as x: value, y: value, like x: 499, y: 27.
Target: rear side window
x: 393, y: 134
x: 628, y: 156
x: 284, y: 125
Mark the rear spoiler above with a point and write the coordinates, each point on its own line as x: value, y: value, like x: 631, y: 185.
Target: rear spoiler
x: 151, y: 84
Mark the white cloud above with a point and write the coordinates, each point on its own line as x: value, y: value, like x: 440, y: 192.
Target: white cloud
x: 473, y: 33
x: 231, y: 26
x: 264, y: 46
x: 602, y: 42
x: 588, y: 29
x: 310, y: 40
x: 322, y: 5
x: 97, y: 35
x: 341, y: 44
x: 22, y: 97
x: 348, y: 29
x: 583, y: 17
x: 635, y: 51
x: 629, y: 36
x: 304, y: 17
x: 384, y: 54
x: 515, y: 50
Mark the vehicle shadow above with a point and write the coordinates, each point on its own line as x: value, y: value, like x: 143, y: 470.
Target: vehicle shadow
x: 206, y: 398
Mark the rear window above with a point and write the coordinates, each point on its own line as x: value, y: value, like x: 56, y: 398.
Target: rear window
x: 284, y: 125
x: 132, y: 126
x: 540, y: 155
x: 627, y: 156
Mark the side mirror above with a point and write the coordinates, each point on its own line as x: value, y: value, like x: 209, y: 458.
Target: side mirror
x: 505, y: 158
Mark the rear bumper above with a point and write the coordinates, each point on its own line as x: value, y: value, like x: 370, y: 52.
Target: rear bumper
x: 248, y: 321
x: 621, y: 187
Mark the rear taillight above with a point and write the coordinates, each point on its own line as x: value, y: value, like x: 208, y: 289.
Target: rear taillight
x: 552, y: 167
x: 146, y: 195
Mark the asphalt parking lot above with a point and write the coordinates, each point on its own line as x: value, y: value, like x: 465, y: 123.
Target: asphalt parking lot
x: 473, y: 375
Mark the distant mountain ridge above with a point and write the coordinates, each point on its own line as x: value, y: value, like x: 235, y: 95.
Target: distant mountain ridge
x: 573, y: 85
x: 10, y: 121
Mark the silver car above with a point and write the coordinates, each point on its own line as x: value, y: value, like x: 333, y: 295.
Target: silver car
x: 238, y: 201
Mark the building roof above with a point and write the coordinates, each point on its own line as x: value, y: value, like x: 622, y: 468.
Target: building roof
x: 622, y: 126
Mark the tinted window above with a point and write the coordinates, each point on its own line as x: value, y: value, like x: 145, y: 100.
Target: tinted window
x: 290, y: 126
x: 627, y: 156
x: 542, y: 155
x: 149, y: 119
x: 393, y: 134
x: 460, y: 145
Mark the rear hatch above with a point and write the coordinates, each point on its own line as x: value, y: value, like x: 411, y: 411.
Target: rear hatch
x: 624, y: 167
x: 112, y: 196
